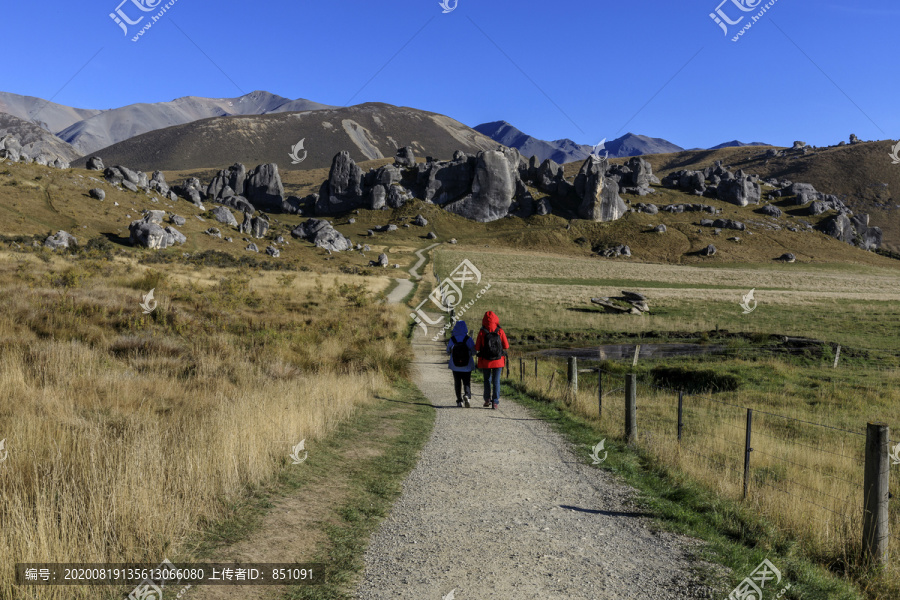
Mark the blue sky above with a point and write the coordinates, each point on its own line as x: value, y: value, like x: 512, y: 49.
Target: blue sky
x: 811, y: 71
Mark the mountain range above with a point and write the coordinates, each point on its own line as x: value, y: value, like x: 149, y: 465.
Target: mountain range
x: 566, y: 150
x: 91, y: 130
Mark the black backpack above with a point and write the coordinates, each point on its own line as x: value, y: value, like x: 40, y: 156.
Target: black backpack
x: 460, y: 352
x: 493, y: 345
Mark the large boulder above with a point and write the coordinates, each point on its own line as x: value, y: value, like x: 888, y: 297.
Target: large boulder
x: 343, y: 190
x: 148, y: 233
x: 263, y: 188
x: 599, y: 194
x: 641, y: 172
x: 740, y: 191
x: 398, y: 196
x: 445, y: 182
x: 256, y: 226
x: 60, y: 240
x: 95, y: 163
x: 549, y: 174
x: 377, y: 197
x: 322, y: 234
x: 802, y: 192
x: 234, y: 178
x: 770, y: 210
x: 493, y: 189
x: 223, y: 215
x: 405, y: 157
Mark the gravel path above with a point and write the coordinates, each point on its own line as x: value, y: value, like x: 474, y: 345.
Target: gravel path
x: 404, y: 286
x: 414, y: 271
x: 498, y: 507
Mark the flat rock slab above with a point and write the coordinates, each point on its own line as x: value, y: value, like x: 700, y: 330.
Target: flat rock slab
x: 499, y: 507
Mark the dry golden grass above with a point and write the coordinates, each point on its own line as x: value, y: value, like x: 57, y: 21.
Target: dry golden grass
x: 127, y: 432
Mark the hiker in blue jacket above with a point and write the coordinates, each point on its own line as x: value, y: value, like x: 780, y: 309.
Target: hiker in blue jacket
x: 461, y: 349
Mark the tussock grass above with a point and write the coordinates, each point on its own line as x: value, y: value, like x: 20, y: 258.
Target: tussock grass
x: 127, y: 432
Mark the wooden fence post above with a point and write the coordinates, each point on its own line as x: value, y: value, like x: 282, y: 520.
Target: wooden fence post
x: 680, y: 413
x: 535, y: 366
x: 637, y: 353
x: 600, y: 393
x: 875, y: 494
x: 573, y: 374
x: 631, y: 408
x: 550, y: 385
x: 747, y: 450
x: 521, y: 369
x: 837, y: 356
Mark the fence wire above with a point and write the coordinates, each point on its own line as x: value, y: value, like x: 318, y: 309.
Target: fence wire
x: 656, y: 420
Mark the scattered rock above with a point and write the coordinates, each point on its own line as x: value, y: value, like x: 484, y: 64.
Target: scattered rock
x: 95, y: 163
x: 252, y: 247
x: 708, y: 251
x: 177, y: 220
x: 661, y: 228
x: 787, y: 257
x: 273, y: 251
x: 431, y: 236
x: 420, y: 221
x: 214, y: 232
x: 97, y: 193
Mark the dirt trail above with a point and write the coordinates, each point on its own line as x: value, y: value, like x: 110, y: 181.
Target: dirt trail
x: 500, y: 508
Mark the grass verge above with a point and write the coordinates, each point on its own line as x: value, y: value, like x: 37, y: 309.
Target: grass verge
x: 373, y: 485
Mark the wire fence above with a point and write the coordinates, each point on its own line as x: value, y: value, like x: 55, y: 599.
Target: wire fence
x: 806, y: 477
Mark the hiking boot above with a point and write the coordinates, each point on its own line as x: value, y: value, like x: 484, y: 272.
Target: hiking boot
x: 487, y: 403
x: 466, y: 401
x: 495, y: 406
x: 458, y: 404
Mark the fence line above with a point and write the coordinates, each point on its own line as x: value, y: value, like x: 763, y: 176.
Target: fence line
x: 875, y: 480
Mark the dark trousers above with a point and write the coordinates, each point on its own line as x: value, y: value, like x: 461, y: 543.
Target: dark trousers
x: 462, y: 379
x: 492, y: 378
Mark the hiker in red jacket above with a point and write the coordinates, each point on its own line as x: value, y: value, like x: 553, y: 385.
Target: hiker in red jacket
x: 491, y: 347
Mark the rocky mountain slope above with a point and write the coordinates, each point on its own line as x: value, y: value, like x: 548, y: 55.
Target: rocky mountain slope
x: 368, y: 131
x: 34, y: 140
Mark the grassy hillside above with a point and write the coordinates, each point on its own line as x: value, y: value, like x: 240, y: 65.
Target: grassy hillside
x: 36, y: 200
x: 862, y: 175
